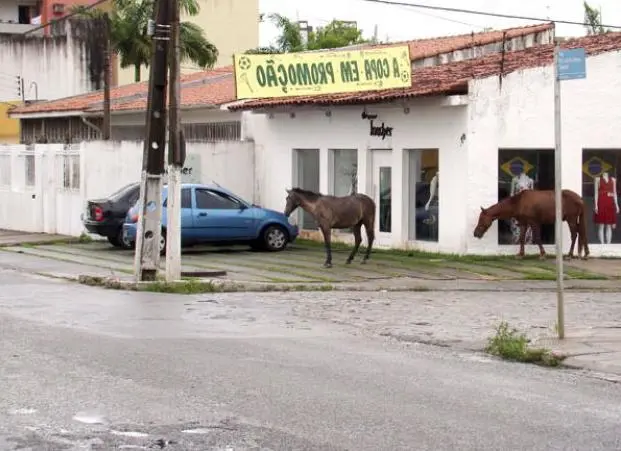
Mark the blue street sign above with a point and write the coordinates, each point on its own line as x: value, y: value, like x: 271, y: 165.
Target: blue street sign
x: 571, y: 64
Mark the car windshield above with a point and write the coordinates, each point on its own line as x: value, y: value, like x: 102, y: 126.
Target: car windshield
x: 121, y: 192
x: 235, y: 196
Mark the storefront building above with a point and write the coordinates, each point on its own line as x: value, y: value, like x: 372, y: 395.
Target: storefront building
x: 486, y: 124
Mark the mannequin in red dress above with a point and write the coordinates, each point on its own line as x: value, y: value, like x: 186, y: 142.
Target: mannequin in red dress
x: 606, y: 206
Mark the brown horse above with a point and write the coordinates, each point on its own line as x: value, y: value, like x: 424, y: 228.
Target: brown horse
x: 534, y: 208
x: 331, y: 212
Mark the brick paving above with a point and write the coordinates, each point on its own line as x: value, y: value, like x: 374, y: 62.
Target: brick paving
x: 302, y: 263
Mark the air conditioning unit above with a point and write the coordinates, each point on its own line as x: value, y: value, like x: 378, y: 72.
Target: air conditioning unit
x: 58, y: 8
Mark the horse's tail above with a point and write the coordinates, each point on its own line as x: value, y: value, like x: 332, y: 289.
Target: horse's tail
x: 369, y: 219
x: 583, y: 242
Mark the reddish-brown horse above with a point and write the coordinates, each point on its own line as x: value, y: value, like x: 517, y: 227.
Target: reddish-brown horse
x: 534, y: 208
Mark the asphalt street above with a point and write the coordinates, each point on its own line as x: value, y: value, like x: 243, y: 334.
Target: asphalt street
x: 86, y: 368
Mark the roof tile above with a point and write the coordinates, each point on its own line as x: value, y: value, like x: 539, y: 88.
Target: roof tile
x: 451, y: 78
x: 216, y: 88
x: 134, y: 96
x: 423, y: 48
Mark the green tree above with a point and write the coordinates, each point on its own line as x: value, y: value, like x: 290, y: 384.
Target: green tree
x: 334, y: 35
x: 593, y: 19
x: 129, y: 39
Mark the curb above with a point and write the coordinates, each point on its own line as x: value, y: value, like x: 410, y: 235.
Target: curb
x: 593, y: 365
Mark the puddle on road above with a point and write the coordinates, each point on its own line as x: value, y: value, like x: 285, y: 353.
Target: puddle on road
x: 477, y: 358
x: 89, y: 418
x: 196, y: 431
x: 134, y: 434
x: 23, y: 411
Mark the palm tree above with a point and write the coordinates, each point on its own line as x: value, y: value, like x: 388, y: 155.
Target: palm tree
x: 129, y: 39
x: 289, y: 40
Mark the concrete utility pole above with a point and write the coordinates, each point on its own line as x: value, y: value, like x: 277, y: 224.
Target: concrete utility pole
x: 558, y: 198
x: 147, y: 258
x: 176, y: 156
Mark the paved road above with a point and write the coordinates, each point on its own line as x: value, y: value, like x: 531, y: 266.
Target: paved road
x: 94, y: 369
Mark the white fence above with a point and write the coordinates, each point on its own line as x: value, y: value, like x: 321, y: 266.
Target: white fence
x: 44, y: 188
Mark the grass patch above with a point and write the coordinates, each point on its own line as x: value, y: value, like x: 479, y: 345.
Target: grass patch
x: 188, y: 286
x: 530, y: 266
x: 84, y: 238
x: 404, y: 254
x: 507, y: 343
x: 196, y: 286
x: 538, y: 276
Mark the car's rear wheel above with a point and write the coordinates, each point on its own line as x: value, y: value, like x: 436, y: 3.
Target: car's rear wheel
x: 274, y: 238
x: 116, y: 240
x: 119, y: 241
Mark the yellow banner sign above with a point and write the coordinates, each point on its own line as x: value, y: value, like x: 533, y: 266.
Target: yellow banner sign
x: 330, y: 72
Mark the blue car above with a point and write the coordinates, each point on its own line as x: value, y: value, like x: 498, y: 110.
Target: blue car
x: 212, y: 214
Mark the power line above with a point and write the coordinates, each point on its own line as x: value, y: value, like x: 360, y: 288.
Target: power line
x: 314, y: 19
x: 76, y: 13
x: 444, y: 18
x: 482, y: 13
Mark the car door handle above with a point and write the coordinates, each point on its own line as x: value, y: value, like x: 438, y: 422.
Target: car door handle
x: 202, y: 214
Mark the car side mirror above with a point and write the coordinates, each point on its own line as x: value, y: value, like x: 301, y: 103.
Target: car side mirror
x: 242, y: 207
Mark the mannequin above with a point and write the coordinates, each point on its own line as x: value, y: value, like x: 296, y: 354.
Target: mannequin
x: 433, y: 189
x: 520, y: 183
x: 606, y: 206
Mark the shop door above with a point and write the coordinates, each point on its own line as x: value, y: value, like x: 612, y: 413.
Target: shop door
x: 382, y: 194
x: 306, y: 176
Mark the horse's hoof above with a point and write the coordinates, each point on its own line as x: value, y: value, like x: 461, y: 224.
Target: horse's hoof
x: 327, y: 265
x: 542, y: 257
x: 363, y: 262
x: 519, y: 256
x: 347, y: 262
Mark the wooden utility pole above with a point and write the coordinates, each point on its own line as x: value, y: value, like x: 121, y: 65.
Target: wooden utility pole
x: 176, y: 155
x: 148, y: 244
x: 107, y: 79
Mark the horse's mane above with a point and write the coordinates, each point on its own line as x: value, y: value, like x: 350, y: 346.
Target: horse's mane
x: 306, y: 193
x: 507, y: 201
x: 511, y: 199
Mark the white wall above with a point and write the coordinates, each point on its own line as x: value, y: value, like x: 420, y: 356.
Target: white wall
x: 99, y: 168
x: 9, y: 11
x: 59, y: 67
x: 521, y: 116
x: 427, y: 126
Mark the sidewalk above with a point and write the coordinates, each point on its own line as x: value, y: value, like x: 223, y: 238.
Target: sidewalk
x: 13, y: 238
x: 465, y: 320
x: 597, y: 350
x: 47, y: 263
